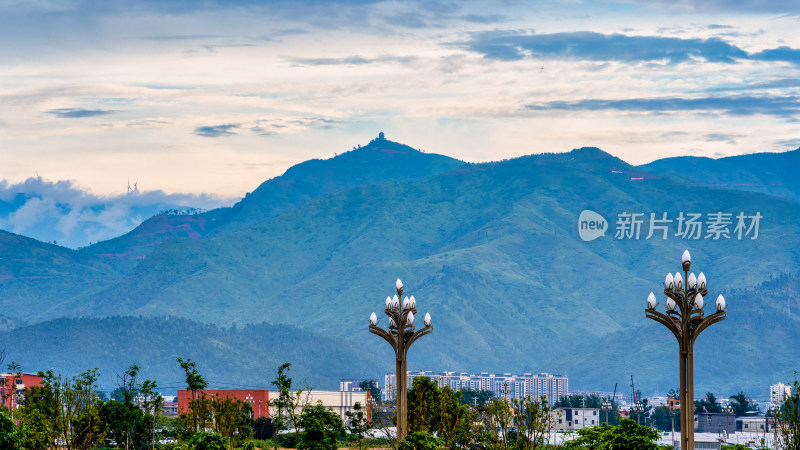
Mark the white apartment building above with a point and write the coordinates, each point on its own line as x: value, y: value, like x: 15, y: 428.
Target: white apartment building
x: 570, y: 419
x: 778, y: 393
x: 501, y: 385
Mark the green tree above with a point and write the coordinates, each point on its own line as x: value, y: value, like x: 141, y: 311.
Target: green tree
x: 517, y: 424
x: 232, y: 419
x: 421, y: 440
x: 627, y: 435
x: 788, y: 416
x: 264, y: 428
x: 357, y: 422
x: 321, y: 428
x: 69, y: 407
x: 664, y: 419
x: 204, y: 440
x: 9, y: 437
x: 151, y: 405
x: 708, y: 404
x: 288, y: 403
x: 372, y: 387
x: 440, y: 411
x: 195, y: 383
x: 475, y: 398
x: 743, y: 405
x: 35, y: 431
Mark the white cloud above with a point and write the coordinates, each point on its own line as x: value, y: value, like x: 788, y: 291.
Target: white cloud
x: 62, y: 212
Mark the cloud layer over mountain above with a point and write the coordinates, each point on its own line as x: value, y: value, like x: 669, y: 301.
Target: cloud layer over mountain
x: 62, y: 212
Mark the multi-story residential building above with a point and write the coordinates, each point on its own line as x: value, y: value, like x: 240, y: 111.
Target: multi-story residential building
x: 12, y: 387
x: 570, y: 419
x: 501, y: 385
x: 778, y: 393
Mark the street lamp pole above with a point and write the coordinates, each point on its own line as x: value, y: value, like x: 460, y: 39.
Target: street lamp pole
x: 686, y: 320
x: 607, y: 409
x: 638, y: 408
x: 400, y: 335
x: 728, y: 410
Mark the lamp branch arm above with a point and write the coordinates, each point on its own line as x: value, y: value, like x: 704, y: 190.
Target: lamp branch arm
x: 708, y: 321
x: 384, y: 334
x: 666, y: 321
x: 428, y: 329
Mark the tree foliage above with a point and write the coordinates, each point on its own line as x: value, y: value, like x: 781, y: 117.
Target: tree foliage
x: 627, y: 435
x: 421, y: 440
x: 439, y: 410
x: 321, y: 428
x: 517, y: 423
x: 357, y: 422
x: 708, y: 403
x: 788, y: 416
x: 743, y: 405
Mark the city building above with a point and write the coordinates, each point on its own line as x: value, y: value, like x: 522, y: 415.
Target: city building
x: 755, y: 424
x: 353, y: 384
x: 571, y: 419
x: 673, y: 403
x: 257, y: 398
x: 504, y: 385
x: 714, y: 423
x: 12, y: 387
x: 778, y: 393
x: 339, y: 402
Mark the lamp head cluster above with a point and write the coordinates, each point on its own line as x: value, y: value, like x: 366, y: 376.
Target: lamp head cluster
x: 689, y: 297
x: 401, y: 314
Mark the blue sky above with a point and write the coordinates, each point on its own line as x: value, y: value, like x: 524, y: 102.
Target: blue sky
x: 217, y: 96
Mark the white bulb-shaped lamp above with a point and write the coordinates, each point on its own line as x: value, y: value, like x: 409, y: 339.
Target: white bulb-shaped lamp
x: 692, y: 281
x: 678, y: 279
x: 373, y: 319
x: 720, y: 303
x: 405, y: 303
x: 668, y: 281
x: 427, y: 320
x: 413, y: 303
x: 701, y: 280
x: 651, y: 301
x: 388, y: 302
x: 671, y: 304
x: 698, y: 301
x: 395, y: 302
x: 686, y: 257
x: 410, y: 318
x: 398, y: 284
x: 391, y: 323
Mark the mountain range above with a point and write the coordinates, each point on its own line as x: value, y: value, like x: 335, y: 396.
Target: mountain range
x: 491, y: 250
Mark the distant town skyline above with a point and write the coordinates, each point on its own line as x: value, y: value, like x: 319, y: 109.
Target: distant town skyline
x: 216, y: 97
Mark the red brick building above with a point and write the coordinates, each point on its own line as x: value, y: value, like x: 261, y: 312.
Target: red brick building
x: 258, y: 399
x: 12, y: 387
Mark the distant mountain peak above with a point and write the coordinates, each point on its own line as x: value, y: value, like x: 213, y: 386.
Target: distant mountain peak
x: 591, y: 153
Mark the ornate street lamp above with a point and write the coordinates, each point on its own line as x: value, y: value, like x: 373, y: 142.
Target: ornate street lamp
x: 400, y: 336
x: 638, y: 408
x: 727, y: 409
x: 686, y: 319
x: 607, y: 408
